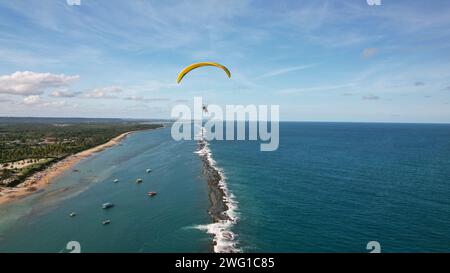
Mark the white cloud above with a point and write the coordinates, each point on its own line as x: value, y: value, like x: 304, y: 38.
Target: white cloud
x: 64, y: 94
x: 32, y: 100
x: 108, y: 92
x: 37, y: 101
x: 29, y: 83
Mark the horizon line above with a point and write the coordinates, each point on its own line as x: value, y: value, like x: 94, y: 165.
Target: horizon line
x: 172, y: 120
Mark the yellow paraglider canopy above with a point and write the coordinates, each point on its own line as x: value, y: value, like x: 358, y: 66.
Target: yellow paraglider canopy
x: 197, y: 65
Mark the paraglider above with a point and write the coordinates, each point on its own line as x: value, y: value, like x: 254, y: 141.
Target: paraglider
x: 191, y: 67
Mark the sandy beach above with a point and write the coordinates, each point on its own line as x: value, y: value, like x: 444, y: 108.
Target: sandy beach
x: 41, y: 179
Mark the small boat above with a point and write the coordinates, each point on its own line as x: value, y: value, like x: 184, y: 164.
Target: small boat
x: 139, y: 180
x: 106, y: 222
x: 148, y: 171
x: 76, y: 171
x: 116, y: 180
x: 107, y: 205
x: 152, y: 193
x: 72, y: 214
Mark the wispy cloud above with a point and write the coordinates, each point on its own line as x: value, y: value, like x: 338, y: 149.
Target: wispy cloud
x: 64, y: 94
x: 315, y: 88
x: 37, y: 101
x: 181, y: 101
x: 370, y: 97
x: 142, y: 99
x: 283, y: 71
x: 152, y: 86
x: 108, y: 92
x: 21, y: 57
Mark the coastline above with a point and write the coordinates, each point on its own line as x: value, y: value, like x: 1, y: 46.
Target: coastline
x: 223, y: 206
x: 41, y: 179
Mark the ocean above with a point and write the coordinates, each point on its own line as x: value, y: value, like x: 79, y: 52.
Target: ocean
x: 330, y: 187
x: 139, y: 223
x: 333, y: 187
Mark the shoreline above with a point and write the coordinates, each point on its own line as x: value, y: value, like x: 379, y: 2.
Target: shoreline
x: 222, y: 208
x: 41, y: 179
x: 216, y: 193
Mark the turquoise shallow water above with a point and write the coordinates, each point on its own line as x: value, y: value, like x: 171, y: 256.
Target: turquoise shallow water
x: 333, y: 187
x: 165, y: 223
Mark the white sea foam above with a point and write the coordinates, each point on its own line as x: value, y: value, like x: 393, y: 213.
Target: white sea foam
x: 224, y: 239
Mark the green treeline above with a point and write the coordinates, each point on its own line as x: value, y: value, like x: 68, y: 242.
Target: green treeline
x: 34, y: 140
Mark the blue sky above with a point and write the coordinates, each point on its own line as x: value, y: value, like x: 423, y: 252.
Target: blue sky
x: 319, y: 60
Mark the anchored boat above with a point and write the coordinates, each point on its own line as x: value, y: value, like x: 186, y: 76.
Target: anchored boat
x: 107, y: 205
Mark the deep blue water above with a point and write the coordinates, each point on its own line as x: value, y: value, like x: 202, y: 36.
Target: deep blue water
x: 333, y: 187
x: 330, y: 187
